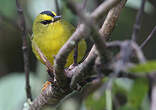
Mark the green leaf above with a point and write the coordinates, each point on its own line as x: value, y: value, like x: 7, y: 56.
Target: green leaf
x: 96, y: 100
x: 135, y: 95
x: 123, y: 85
x: 126, y: 108
x: 138, y: 92
x: 150, y: 66
x: 95, y: 103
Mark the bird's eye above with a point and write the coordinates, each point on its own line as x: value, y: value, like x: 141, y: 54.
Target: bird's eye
x: 46, y: 22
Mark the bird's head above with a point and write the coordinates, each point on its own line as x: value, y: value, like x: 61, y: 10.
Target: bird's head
x: 43, y: 20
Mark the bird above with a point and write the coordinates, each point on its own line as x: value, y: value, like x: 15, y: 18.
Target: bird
x: 50, y: 33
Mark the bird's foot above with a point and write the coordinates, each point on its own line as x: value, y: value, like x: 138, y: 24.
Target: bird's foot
x: 45, y: 85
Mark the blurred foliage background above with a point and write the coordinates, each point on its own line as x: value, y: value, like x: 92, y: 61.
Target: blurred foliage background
x: 12, y: 80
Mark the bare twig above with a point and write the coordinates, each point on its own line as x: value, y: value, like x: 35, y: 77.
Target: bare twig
x: 153, y: 102
x: 76, y: 45
x: 103, y: 8
x: 121, y: 60
x: 84, y: 4
x: 75, y: 54
x: 111, y: 19
x: 24, y: 48
x: 57, y: 7
x: 79, y: 72
x: 148, y: 38
x: 138, y: 52
x: 98, y: 39
x: 51, y: 95
x: 128, y: 48
x: 137, y: 24
x: 114, y: 44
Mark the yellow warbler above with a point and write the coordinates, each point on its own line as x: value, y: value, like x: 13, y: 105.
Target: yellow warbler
x: 50, y: 32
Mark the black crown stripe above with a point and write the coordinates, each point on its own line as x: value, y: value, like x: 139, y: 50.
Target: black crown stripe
x: 48, y: 13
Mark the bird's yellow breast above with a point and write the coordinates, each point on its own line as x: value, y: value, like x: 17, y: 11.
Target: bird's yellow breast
x: 52, y: 38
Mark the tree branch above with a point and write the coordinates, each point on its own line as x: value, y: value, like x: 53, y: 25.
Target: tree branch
x: 51, y: 95
x: 137, y: 24
x: 105, y: 30
x: 138, y: 53
x: 111, y: 19
x: 79, y: 72
x: 84, y: 3
x: 57, y: 7
x: 103, y: 8
x: 148, y: 38
x: 24, y: 48
x: 97, y: 37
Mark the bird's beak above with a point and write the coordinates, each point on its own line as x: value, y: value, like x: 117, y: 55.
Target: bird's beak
x: 56, y: 18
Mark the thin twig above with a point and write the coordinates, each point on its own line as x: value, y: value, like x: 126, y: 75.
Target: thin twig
x: 84, y: 3
x: 137, y: 25
x: 79, y: 72
x: 76, y: 54
x: 24, y: 48
x: 148, y: 38
x: 103, y: 8
x: 153, y: 102
x: 57, y: 7
x: 76, y: 45
x: 113, y: 44
x: 139, y: 53
x: 128, y: 48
